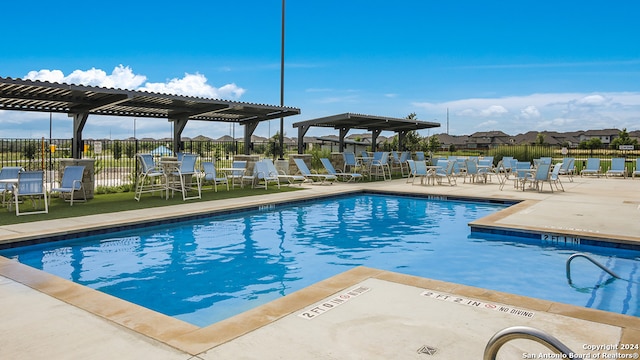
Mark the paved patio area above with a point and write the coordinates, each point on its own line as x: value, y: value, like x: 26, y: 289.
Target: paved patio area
x: 387, y: 315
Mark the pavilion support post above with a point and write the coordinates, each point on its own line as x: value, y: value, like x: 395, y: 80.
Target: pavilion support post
x: 302, y: 131
x: 178, y: 127
x: 249, y: 128
x: 374, y: 139
x: 343, y: 134
x: 79, y: 120
x: 402, y: 134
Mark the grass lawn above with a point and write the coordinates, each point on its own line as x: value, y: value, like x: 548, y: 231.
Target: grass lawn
x: 108, y: 203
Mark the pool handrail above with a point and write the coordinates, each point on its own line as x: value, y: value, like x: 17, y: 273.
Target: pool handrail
x: 594, y: 261
x: 524, y: 332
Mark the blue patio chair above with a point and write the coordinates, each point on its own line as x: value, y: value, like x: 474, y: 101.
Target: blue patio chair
x: 445, y: 171
x: 304, y: 171
x: 420, y: 156
x: 348, y: 177
x: 8, y: 177
x: 350, y: 161
x: 380, y: 163
x: 210, y: 174
x: 592, y: 168
x: 186, y: 178
x: 541, y: 175
x: 150, y: 178
x: 617, y: 168
x: 421, y: 171
x: 412, y: 170
x: 30, y: 184
x: 636, y: 169
x: 568, y: 168
x: 71, y: 184
x: 474, y: 172
x: 523, y: 173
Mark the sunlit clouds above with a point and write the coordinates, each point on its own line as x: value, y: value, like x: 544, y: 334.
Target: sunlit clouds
x: 123, y: 77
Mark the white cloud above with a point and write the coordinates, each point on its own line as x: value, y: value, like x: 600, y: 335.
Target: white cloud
x: 530, y: 112
x: 123, y: 77
x: 542, y: 111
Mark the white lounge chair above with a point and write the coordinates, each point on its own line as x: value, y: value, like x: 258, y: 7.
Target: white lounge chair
x: 210, y: 174
x: 592, y: 168
x: 263, y: 175
x: 284, y: 177
x: 304, y: 171
x: 71, y: 183
x: 348, y: 177
x: 617, y: 168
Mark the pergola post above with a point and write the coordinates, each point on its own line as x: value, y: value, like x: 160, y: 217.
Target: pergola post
x: 402, y: 134
x: 374, y: 138
x: 302, y: 131
x: 79, y: 120
x: 178, y: 127
x: 249, y: 128
x: 343, y: 134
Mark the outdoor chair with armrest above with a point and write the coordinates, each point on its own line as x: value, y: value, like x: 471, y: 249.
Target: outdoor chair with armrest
x: 568, y: 168
x: 30, y: 184
x: 9, y: 174
x: 348, y: 177
x: 617, y: 168
x: 150, y: 178
x: 210, y: 174
x: 304, y: 171
x: 186, y: 178
x: 592, y: 168
x: 71, y: 184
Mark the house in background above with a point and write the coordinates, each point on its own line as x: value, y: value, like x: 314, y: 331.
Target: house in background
x: 606, y: 136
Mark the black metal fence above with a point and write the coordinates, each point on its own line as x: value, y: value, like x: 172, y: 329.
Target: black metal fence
x: 115, y: 161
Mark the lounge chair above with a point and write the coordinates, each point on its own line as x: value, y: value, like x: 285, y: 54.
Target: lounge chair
x: 348, y: 177
x: 568, y: 168
x: 304, y: 171
x: 210, y: 174
x: 617, y: 168
x: 150, y: 178
x: 282, y: 176
x: 8, y: 176
x: 30, y: 184
x: 71, y: 183
x: 592, y: 168
x: 636, y: 169
x: 263, y: 175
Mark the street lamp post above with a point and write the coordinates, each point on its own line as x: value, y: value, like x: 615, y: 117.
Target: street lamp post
x: 282, y: 85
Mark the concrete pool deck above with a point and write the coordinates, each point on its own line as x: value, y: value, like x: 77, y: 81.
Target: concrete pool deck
x: 387, y: 315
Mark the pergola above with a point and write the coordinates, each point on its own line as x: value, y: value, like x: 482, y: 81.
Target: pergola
x: 375, y: 124
x: 79, y: 101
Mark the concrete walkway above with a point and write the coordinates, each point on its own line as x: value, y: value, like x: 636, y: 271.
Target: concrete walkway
x: 386, y: 315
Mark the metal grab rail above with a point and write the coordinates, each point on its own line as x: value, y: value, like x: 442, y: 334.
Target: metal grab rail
x: 524, y: 332
x: 595, y: 262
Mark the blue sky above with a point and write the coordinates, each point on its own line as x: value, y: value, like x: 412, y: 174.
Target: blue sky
x: 514, y: 66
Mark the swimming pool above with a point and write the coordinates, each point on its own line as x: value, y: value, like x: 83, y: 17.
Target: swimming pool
x: 205, y: 270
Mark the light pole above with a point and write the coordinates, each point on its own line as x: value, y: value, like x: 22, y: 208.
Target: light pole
x: 282, y: 85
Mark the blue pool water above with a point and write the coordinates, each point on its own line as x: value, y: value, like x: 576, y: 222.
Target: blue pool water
x: 205, y: 270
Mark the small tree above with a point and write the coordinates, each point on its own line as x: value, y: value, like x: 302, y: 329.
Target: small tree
x: 623, y: 139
